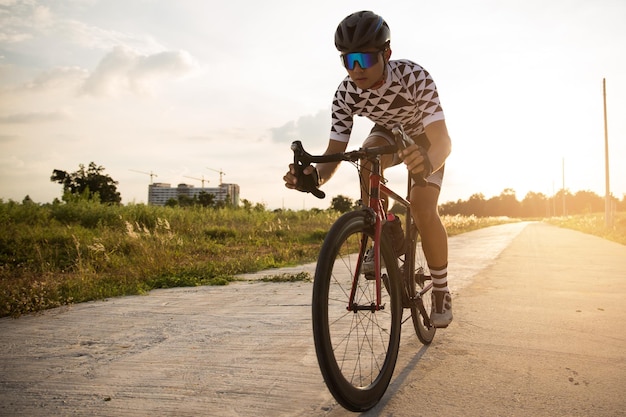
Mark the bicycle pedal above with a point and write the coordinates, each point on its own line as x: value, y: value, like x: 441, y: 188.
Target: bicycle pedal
x: 421, y: 278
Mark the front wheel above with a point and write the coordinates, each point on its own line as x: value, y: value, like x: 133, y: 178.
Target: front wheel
x: 356, y: 346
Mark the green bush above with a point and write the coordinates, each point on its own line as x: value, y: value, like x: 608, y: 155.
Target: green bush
x: 61, y: 253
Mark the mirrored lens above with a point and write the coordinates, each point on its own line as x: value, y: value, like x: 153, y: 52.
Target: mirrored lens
x: 365, y: 59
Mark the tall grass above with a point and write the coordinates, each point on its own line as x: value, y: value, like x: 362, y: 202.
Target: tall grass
x: 52, y: 255
x: 65, y: 253
x: 595, y: 224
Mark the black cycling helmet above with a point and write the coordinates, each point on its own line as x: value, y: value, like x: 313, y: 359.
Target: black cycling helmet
x: 362, y: 30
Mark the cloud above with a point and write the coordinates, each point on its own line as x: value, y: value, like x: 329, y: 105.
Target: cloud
x: 13, y: 27
x: 312, y: 129
x: 58, y: 78
x: 123, y: 70
x: 94, y: 37
x: 22, y: 19
x: 163, y: 65
x: 11, y: 162
x: 30, y: 21
x: 34, y: 117
x: 7, y: 138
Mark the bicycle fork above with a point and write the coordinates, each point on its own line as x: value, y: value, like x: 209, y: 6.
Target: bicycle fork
x: 374, y: 306
x: 377, y: 222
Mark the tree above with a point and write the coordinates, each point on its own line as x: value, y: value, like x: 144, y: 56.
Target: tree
x: 246, y: 204
x: 205, y: 199
x: 341, y: 204
x: 398, y: 208
x: 587, y: 202
x: 476, y: 205
x: 90, y: 182
x: 172, y: 202
x: 186, y: 201
x: 505, y: 204
x: 535, y: 205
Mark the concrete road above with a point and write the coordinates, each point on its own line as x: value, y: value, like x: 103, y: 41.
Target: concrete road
x: 539, y: 330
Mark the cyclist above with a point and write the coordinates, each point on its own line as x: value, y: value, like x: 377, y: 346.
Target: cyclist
x: 388, y: 92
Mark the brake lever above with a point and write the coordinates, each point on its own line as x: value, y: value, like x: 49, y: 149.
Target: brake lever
x: 302, y: 159
x: 403, y: 141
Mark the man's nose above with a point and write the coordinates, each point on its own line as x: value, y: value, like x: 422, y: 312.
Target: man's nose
x: 357, y: 67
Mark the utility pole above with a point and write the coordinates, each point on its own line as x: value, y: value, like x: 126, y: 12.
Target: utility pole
x: 563, y: 186
x: 553, y: 201
x: 607, y: 191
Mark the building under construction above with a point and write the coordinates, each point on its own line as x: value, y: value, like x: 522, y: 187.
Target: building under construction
x: 160, y: 193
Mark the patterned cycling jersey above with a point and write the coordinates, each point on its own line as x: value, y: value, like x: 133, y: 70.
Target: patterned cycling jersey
x: 408, y: 96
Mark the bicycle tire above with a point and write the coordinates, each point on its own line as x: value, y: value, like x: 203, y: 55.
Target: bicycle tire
x: 356, y: 350
x: 419, y: 287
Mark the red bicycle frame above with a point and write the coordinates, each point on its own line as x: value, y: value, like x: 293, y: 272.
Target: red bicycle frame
x: 377, y: 188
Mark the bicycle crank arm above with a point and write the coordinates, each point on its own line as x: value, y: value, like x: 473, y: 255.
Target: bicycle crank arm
x: 420, y: 305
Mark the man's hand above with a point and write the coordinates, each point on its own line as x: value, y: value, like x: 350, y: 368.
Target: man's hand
x: 290, y: 178
x: 305, y: 182
x: 416, y: 160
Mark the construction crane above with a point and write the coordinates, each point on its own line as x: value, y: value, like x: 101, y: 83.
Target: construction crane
x: 147, y: 173
x: 199, y: 179
x: 220, y: 172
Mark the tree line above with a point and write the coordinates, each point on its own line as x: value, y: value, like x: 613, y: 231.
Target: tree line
x: 506, y: 204
x: 563, y: 203
x: 92, y: 184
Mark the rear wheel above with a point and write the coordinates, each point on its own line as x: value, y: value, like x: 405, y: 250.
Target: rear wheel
x: 419, y: 287
x: 356, y: 345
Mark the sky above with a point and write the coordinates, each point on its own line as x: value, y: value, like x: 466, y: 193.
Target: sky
x: 185, y: 89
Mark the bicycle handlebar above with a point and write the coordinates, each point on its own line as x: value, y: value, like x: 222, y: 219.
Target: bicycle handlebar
x: 300, y: 155
x: 302, y: 158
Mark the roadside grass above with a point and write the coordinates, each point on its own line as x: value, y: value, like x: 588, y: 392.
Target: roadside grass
x: 594, y: 224
x: 59, y: 254
x: 299, y: 277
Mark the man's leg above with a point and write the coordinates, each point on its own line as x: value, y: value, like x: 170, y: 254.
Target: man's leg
x: 386, y: 161
x: 435, y: 245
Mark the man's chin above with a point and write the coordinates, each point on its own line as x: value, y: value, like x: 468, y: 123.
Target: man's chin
x: 363, y: 84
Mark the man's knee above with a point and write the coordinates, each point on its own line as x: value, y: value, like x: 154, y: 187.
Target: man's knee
x: 423, y: 213
x: 424, y: 204
x: 375, y: 140
x: 386, y: 161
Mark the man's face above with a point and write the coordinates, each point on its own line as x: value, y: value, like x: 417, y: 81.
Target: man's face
x: 365, y: 78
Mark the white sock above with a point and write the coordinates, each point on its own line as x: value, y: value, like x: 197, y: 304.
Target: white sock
x: 440, y: 278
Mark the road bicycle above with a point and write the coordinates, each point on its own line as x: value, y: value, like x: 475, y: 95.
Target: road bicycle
x: 358, y: 313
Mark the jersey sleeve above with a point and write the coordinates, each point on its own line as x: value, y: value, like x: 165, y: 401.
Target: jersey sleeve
x: 341, y: 115
x: 427, y: 98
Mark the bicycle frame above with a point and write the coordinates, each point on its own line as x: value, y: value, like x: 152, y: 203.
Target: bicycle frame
x: 377, y: 188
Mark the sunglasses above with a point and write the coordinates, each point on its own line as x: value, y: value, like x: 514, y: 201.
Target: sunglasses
x: 365, y: 59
